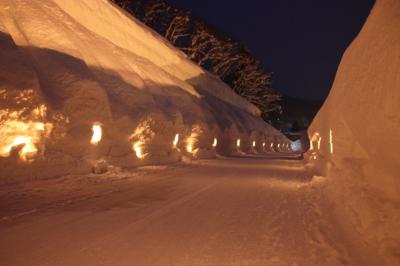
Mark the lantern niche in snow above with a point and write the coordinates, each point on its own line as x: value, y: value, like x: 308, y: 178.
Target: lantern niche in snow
x: 26, y: 132
x: 254, y: 143
x: 142, y: 137
x: 315, y: 138
x: 238, y: 143
x: 97, y: 133
x: 193, y: 139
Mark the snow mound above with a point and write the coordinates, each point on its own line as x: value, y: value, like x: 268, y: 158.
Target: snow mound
x: 83, y: 83
x: 355, y: 137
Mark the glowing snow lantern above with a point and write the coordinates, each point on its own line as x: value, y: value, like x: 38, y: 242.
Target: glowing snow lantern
x: 215, y: 143
x: 189, y: 148
x: 272, y: 144
x: 238, y: 143
x: 28, y: 150
x: 14, y: 133
x: 264, y: 144
x: 279, y: 145
x: 331, y: 140
x: 97, y: 133
x: 137, y: 147
x: 254, y: 143
x: 193, y: 139
x: 176, y: 140
x: 142, y: 137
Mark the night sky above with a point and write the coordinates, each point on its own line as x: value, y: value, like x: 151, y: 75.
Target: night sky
x: 300, y: 41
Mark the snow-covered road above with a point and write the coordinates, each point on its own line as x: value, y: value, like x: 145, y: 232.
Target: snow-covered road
x: 221, y: 212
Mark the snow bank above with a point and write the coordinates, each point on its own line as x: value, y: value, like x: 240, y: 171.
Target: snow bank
x: 83, y: 83
x: 355, y: 137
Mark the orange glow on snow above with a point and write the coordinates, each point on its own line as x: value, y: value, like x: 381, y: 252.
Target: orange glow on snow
x: 238, y: 143
x: 97, y: 133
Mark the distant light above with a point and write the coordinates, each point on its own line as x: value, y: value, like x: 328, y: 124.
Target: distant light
x: 264, y: 144
x: 331, y: 140
x: 97, y: 133
x: 272, y: 144
x: 296, y: 145
x: 189, y: 148
x: 254, y: 143
x: 176, y: 140
x: 215, y: 143
x: 138, y: 150
x: 238, y: 142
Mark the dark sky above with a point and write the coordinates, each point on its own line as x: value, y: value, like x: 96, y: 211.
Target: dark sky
x: 300, y: 41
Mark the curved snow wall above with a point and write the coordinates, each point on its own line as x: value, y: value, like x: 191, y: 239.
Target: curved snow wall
x: 77, y: 91
x: 355, y: 137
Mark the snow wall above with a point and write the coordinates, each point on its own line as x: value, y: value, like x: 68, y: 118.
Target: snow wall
x: 83, y: 85
x: 355, y: 137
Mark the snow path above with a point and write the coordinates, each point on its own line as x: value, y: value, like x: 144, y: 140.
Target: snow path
x: 220, y: 212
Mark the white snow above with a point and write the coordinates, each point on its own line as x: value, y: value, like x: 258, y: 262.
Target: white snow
x: 70, y: 65
x: 356, y: 134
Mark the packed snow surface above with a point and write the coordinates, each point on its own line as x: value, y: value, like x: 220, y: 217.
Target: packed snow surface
x: 246, y: 211
x: 84, y: 85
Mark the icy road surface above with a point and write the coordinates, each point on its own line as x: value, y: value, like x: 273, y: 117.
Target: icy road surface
x: 239, y: 211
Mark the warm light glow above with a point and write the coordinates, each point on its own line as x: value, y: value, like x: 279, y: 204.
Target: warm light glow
x: 331, y: 140
x: 142, y: 137
x: 192, y: 140
x: 189, y: 148
x: 254, y: 143
x: 176, y: 140
x: 238, y: 143
x: 215, y: 143
x: 264, y: 144
x: 279, y: 145
x: 138, y: 150
x: 27, y: 133
x: 315, y: 138
x: 28, y: 150
x: 97, y: 133
x: 272, y: 144
x: 23, y: 126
